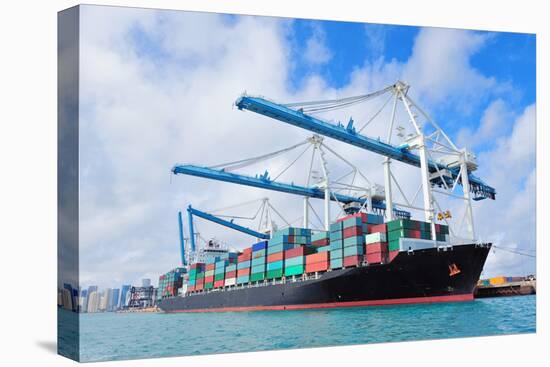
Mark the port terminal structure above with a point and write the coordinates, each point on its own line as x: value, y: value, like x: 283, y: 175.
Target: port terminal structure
x: 443, y: 166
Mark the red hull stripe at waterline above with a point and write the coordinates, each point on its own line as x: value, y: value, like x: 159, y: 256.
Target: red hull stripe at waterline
x: 382, y: 302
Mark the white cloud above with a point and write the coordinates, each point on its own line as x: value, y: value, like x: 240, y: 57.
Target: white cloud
x: 510, y: 220
x: 316, y: 52
x: 440, y: 69
x: 495, y: 122
x: 376, y: 39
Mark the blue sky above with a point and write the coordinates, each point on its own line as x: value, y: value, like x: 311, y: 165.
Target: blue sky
x: 158, y: 88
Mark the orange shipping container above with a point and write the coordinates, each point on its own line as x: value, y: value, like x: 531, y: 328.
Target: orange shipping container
x: 319, y: 257
x: 275, y: 257
x: 318, y: 266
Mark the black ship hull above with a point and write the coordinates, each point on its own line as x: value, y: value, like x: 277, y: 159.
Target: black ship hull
x: 422, y: 276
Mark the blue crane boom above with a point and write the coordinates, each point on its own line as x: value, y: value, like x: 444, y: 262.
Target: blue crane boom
x: 348, y: 135
x: 199, y: 213
x: 264, y: 182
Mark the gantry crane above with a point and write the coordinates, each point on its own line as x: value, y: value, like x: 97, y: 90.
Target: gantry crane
x: 443, y: 166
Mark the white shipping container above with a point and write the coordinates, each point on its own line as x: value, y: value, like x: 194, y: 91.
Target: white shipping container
x: 230, y: 281
x: 375, y: 237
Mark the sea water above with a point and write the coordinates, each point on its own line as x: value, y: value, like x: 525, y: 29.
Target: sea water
x: 115, y: 336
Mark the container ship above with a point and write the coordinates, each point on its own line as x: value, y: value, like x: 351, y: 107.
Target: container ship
x: 361, y: 261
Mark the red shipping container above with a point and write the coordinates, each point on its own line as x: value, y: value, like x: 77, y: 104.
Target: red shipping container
x: 362, y: 215
x: 415, y: 233
x: 275, y: 257
x: 373, y: 248
x: 190, y: 288
x: 376, y: 258
x: 242, y: 272
x: 318, y: 266
x: 354, y: 260
x: 322, y: 242
x: 378, y: 228
x: 199, y: 281
x: 199, y: 287
x: 298, y: 251
x: 219, y: 283
x: 353, y: 231
x: 244, y: 257
x: 209, y: 279
x: 315, y: 258
x: 210, y: 266
x: 230, y: 274
x: 392, y: 255
x: 247, y: 250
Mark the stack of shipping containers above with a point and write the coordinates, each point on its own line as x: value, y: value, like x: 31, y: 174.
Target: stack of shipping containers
x: 243, y: 266
x: 336, y: 245
x: 281, y: 241
x: 257, y: 270
x: 196, y: 277
x: 209, y: 274
x: 171, y: 282
x: 408, y: 228
x: 376, y: 244
x: 295, y: 260
x: 353, y: 229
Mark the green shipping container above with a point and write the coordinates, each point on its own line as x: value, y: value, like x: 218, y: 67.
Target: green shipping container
x: 243, y: 279
x: 208, y: 285
x: 393, y: 245
x: 274, y: 274
x: 336, y: 227
x: 219, y: 276
x: 425, y: 235
x: 254, y: 277
x: 258, y: 261
x: 354, y: 241
x: 336, y: 254
x: 323, y: 249
x: 294, y: 270
x: 402, y: 224
x: 354, y: 250
x: 276, y: 265
x: 352, y: 222
x: 400, y: 233
x: 336, y: 263
x: 334, y: 236
x: 336, y: 245
x: 293, y: 261
x: 440, y: 237
x: 319, y: 236
x: 258, y: 269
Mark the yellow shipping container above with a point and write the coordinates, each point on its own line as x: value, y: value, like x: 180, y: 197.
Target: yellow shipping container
x: 497, y: 280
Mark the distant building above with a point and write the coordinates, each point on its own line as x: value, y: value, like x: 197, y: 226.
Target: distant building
x: 104, y: 299
x: 93, y: 302
x: 92, y: 288
x: 124, y: 296
x: 67, y: 298
x: 113, y: 301
x: 82, y: 300
x: 146, y: 282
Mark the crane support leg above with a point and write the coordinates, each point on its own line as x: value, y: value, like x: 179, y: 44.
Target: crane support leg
x: 387, y: 189
x: 467, y: 198
x: 306, y: 212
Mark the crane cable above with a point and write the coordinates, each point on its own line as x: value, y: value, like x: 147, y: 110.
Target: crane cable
x: 230, y: 166
x: 514, y: 251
